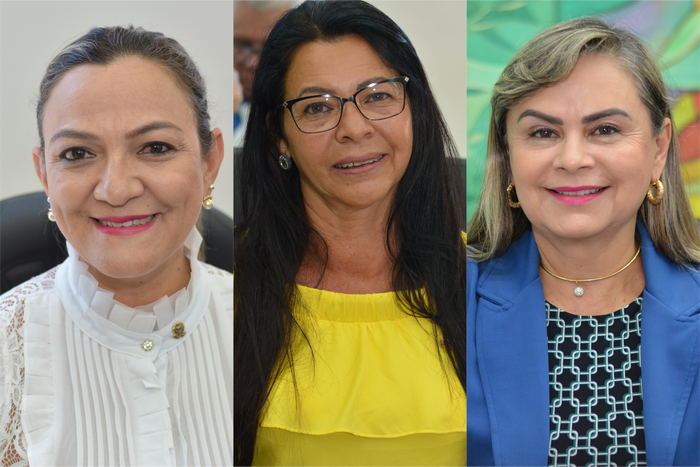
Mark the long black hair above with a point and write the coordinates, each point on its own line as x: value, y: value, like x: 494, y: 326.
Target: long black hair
x: 423, y: 228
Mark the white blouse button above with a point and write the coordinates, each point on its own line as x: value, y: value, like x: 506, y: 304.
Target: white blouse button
x: 147, y: 345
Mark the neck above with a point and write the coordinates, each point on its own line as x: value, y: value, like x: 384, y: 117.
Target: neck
x: 592, y: 258
x: 167, y: 279
x: 358, y: 259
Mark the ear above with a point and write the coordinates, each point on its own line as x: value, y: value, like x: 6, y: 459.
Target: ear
x: 663, y: 142
x: 40, y: 168
x: 283, y: 146
x: 214, y: 158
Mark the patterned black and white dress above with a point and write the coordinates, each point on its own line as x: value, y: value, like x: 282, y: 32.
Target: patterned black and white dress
x: 595, y: 387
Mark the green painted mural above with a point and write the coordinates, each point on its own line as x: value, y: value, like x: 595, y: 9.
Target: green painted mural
x: 671, y: 29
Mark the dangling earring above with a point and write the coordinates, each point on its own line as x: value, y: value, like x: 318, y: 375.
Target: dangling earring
x: 659, y: 192
x: 285, y: 161
x: 50, y: 215
x: 513, y: 204
x: 208, y: 201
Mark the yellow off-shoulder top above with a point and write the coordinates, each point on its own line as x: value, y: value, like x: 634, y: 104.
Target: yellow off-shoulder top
x: 374, y: 392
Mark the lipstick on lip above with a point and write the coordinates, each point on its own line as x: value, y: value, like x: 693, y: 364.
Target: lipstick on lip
x: 576, y: 199
x: 122, y: 219
x: 122, y: 230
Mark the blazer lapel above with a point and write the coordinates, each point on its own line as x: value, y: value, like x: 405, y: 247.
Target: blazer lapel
x: 512, y: 351
x: 670, y: 352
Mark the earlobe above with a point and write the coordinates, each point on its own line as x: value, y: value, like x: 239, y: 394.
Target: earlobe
x: 40, y: 168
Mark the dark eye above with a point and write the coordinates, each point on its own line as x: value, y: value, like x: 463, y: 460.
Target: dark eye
x: 75, y: 154
x: 377, y: 96
x: 542, y: 133
x: 606, y: 130
x: 316, y: 108
x: 156, y: 148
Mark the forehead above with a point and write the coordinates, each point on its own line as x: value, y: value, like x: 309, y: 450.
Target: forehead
x: 596, y: 83
x: 128, y: 89
x: 338, y: 65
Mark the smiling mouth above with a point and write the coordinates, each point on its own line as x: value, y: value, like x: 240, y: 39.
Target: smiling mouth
x: 578, y: 193
x: 357, y: 164
x: 133, y: 223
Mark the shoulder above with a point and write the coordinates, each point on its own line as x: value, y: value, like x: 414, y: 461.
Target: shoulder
x: 222, y: 284
x: 12, y: 302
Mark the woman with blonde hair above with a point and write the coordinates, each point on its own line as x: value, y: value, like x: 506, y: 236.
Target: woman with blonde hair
x: 583, y: 221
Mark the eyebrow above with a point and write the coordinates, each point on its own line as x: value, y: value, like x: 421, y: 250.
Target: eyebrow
x: 320, y: 90
x: 75, y: 134
x: 84, y: 135
x: 605, y: 113
x: 149, y: 127
x: 542, y: 116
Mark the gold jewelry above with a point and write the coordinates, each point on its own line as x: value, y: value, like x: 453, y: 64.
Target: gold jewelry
x: 513, y: 204
x: 50, y: 215
x: 207, y: 202
x: 659, y: 192
x: 578, y: 291
x: 179, y: 330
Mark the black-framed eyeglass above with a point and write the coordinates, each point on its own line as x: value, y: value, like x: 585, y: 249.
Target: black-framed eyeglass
x: 376, y: 101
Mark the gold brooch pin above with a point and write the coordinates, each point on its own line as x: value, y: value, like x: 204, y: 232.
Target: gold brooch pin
x: 179, y: 330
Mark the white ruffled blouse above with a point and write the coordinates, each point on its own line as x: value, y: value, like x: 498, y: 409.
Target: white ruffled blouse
x: 90, y: 381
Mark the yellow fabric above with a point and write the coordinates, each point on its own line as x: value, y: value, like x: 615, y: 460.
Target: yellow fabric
x: 374, y: 392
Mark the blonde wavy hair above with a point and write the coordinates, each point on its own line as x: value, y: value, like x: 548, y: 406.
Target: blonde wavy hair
x: 548, y: 59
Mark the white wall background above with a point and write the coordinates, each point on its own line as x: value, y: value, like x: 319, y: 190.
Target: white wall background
x: 31, y: 33
x: 438, y: 31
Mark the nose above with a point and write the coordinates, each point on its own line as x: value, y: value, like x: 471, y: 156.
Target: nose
x: 118, y: 182
x: 573, y: 155
x: 353, y: 125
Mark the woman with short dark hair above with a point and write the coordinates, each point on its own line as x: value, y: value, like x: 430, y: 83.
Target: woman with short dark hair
x: 122, y: 355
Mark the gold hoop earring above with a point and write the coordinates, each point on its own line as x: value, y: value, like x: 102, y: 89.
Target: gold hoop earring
x: 207, y: 202
x: 659, y: 192
x: 512, y: 203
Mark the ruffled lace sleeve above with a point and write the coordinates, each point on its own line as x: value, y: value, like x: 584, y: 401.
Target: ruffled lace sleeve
x: 13, y: 450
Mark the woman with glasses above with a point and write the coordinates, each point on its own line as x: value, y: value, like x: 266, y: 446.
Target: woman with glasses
x: 349, y: 341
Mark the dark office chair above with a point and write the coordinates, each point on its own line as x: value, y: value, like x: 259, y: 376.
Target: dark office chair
x: 30, y: 244
x: 237, y: 208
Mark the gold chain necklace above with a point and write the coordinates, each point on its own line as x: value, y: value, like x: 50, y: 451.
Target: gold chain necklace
x: 578, y: 291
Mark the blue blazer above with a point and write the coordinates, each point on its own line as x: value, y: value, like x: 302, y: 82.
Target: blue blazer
x: 508, y: 366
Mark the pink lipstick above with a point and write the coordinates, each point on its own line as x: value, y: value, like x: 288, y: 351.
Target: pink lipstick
x: 125, y: 225
x: 576, y: 195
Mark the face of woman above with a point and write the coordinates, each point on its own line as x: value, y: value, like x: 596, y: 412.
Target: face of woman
x: 342, y: 68
x: 122, y: 147
x: 582, y: 152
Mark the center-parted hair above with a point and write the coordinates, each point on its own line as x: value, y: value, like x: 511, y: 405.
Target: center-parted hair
x: 423, y: 228
x: 544, y: 61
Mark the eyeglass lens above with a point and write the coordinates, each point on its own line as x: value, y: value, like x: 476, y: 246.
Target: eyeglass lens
x: 321, y: 113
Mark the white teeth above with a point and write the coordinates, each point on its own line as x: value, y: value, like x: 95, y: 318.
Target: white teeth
x: 357, y: 164
x: 133, y: 223
x: 578, y: 193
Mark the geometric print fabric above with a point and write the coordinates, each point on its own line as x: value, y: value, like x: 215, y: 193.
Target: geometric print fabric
x: 595, y: 388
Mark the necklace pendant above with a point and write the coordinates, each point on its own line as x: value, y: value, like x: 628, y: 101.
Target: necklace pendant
x: 578, y: 291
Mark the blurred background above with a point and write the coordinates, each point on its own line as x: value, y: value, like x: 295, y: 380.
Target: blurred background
x: 671, y: 30
x: 438, y: 30
x: 33, y: 32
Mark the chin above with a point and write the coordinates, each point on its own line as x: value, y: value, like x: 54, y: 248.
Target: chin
x: 118, y: 269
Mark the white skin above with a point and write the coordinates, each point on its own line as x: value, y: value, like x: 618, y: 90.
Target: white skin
x: 118, y: 170
x: 619, y: 152
x: 350, y: 211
